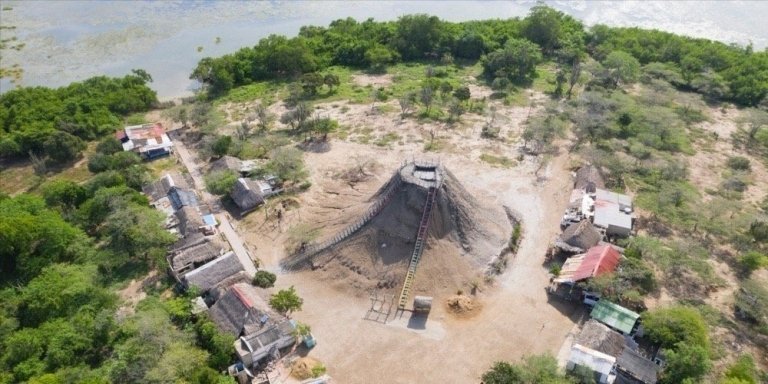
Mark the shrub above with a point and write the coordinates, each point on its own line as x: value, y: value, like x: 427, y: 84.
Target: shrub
x: 752, y: 261
x: 752, y: 303
x: 672, y: 325
x: 743, y: 370
x: 220, y: 182
x: 738, y: 163
x: 264, y: 279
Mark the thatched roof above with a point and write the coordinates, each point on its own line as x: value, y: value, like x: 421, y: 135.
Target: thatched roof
x: 190, y: 220
x: 160, y: 188
x: 586, y: 175
x: 601, y: 338
x: 194, y: 256
x: 638, y: 368
x: 236, y: 310
x: 212, y: 273
x: 246, y: 193
x: 581, y: 235
x: 226, y: 163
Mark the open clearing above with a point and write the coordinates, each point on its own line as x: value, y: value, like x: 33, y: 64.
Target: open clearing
x: 515, y: 317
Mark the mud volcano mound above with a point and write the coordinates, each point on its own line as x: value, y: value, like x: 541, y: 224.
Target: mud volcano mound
x: 462, y: 238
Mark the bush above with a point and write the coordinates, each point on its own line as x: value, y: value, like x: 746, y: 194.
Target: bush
x: 738, y: 163
x: 752, y: 261
x: 752, y: 303
x: 264, y: 279
x: 743, y: 370
x: 220, y: 182
x: 686, y: 362
x: 672, y: 325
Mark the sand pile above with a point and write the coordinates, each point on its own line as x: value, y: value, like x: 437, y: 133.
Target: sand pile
x: 302, y: 368
x: 464, y: 237
x: 460, y: 304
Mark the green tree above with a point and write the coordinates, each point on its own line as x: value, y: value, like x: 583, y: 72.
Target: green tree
x: 744, y: 370
x: 672, y: 325
x: 221, y: 145
x: 220, y: 182
x: 534, y: 369
x: 286, y: 301
x: 419, y: 35
x: 462, y: 93
x: 109, y: 145
x: 287, y: 164
x: 623, y: 67
x: 33, y: 237
x: 686, y: 362
x: 264, y: 279
x: 62, y: 146
x: 310, y: 82
x: 516, y: 62
x: 331, y: 81
x: 65, y: 194
x: 378, y: 57
x: 60, y: 291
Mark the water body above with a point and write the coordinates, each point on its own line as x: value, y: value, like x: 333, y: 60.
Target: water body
x: 72, y: 40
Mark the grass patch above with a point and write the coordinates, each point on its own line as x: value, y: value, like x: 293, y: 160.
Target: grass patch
x: 136, y: 118
x: 158, y: 167
x: 545, y: 78
x: 387, y: 139
x: 498, y: 161
x: 266, y: 91
x: 18, y: 178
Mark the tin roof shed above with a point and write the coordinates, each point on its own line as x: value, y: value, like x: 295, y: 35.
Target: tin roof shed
x: 615, y: 316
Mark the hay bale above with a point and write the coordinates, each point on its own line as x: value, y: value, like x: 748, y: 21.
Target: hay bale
x: 422, y: 304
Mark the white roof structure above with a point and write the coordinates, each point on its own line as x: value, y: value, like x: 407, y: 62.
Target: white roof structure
x: 612, y: 210
x: 596, y: 361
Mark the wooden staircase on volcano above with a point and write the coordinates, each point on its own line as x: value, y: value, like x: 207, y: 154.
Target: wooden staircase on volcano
x: 418, y: 248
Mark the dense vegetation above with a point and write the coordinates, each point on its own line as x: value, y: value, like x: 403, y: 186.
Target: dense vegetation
x: 508, y: 48
x: 57, y: 123
x: 62, y: 255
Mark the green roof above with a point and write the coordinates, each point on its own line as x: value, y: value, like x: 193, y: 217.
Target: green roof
x: 614, y: 316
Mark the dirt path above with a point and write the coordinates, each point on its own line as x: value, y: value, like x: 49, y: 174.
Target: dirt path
x: 234, y: 239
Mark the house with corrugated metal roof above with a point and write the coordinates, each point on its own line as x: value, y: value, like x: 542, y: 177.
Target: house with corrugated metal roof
x: 600, y: 363
x: 598, y: 260
x: 150, y: 141
x: 630, y: 367
x: 615, y: 316
x: 612, y: 212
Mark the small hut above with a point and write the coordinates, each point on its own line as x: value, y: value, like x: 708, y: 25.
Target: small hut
x: 599, y: 337
x: 422, y: 304
x: 226, y: 163
x: 579, y: 237
x: 247, y: 194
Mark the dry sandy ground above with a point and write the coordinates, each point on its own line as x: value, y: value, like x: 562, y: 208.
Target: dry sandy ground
x: 516, y: 318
